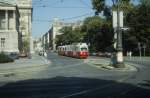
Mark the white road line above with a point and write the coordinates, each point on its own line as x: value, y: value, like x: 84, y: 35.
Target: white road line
x: 91, y: 90
x: 85, y: 91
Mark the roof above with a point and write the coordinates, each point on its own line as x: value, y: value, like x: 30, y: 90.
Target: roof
x: 8, y: 2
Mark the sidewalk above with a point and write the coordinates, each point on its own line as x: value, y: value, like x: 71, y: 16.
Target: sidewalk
x: 104, y: 63
x: 23, y: 63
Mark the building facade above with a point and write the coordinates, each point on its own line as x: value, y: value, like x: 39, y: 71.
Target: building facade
x: 50, y: 37
x: 46, y: 41
x: 38, y: 45
x: 15, y: 25
x: 25, y: 10
x: 9, y: 27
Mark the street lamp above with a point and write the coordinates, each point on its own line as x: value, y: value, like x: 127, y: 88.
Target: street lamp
x: 140, y: 48
x: 144, y: 47
x: 119, y: 49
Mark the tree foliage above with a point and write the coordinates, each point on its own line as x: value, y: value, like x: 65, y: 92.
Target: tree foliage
x: 138, y: 20
x: 98, y: 33
x: 25, y: 46
x: 69, y: 35
x: 5, y: 58
x: 101, y: 6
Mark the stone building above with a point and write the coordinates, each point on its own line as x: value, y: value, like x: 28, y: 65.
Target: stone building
x: 46, y: 41
x: 50, y: 36
x: 9, y: 27
x: 15, y: 25
x: 25, y: 10
x: 38, y: 45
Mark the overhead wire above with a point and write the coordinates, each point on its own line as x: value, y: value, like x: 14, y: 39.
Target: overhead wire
x: 62, y: 7
x: 75, y: 17
x: 47, y: 5
x: 36, y: 2
x: 43, y: 5
x: 63, y: 19
x: 84, y: 3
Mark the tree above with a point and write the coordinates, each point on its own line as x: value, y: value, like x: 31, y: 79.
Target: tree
x: 100, y: 5
x: 70, y: 35
x: 145, y: 2
x: 138, y: 20
x: 98, y: 33
x: 25, y: 46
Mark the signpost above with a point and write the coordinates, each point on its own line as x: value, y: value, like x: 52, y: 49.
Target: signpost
x: 115, y: 19
x: 144, y: 47
x: 139, y: 46
x: 117, y: 25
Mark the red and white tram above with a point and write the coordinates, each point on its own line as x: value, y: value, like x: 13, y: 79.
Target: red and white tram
x: 78, y: 50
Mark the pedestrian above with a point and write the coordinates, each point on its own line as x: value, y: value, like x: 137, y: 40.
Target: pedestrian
x: 130, y: 54
x: 127, y: 53
x: 45, y: 54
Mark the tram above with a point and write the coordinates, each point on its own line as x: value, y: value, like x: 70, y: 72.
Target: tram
x: 77, y: 50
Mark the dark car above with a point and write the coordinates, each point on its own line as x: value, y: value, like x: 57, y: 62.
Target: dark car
x: 41, y: 53
x: 92, y: 53
x: 108, y: 54
x: 14, y: 55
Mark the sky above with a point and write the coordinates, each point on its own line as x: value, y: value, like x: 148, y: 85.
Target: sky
x: 44, y: 11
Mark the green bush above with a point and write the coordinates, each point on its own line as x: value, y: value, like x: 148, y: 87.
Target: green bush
x: 4, y: 58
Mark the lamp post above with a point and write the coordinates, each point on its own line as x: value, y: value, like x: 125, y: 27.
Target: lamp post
x: 140, y: 48
x: 144, y: 47
x: 119, y: 49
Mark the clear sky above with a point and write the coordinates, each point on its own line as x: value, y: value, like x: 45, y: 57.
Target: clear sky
x: 44, y: 11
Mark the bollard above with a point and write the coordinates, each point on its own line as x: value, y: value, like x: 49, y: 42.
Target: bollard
x: 113, y: 59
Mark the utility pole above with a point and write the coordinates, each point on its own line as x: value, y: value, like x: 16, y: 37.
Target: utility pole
x: 119, y: 54
x: 144, y: 47
x: 140, y: 48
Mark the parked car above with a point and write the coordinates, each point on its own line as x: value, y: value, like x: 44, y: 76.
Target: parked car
x: 107, y: 54
x: 41, y: 53
x: 23, y: 55
x: 101, y: 54
x: 104, y: 54
x: 93, y: 54
x: 13, y: 55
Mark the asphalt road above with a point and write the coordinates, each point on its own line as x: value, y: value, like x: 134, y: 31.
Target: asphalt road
x: 68, y: 77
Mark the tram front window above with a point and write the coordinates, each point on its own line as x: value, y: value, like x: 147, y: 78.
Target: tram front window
x: 83, y: 49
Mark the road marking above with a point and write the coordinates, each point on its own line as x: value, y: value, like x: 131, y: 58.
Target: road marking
x: 86, y: 91
x: 91, y: 90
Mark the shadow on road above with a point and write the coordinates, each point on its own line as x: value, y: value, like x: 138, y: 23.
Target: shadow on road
x: 146, y: 84
x: 72, y: 87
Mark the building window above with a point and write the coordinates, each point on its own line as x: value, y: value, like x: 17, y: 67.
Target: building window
x: 10, y: 20
x: 3, y: 42
x: 2, y: 20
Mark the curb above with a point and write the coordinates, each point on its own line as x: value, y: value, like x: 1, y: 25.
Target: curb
x: 104, y: 66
